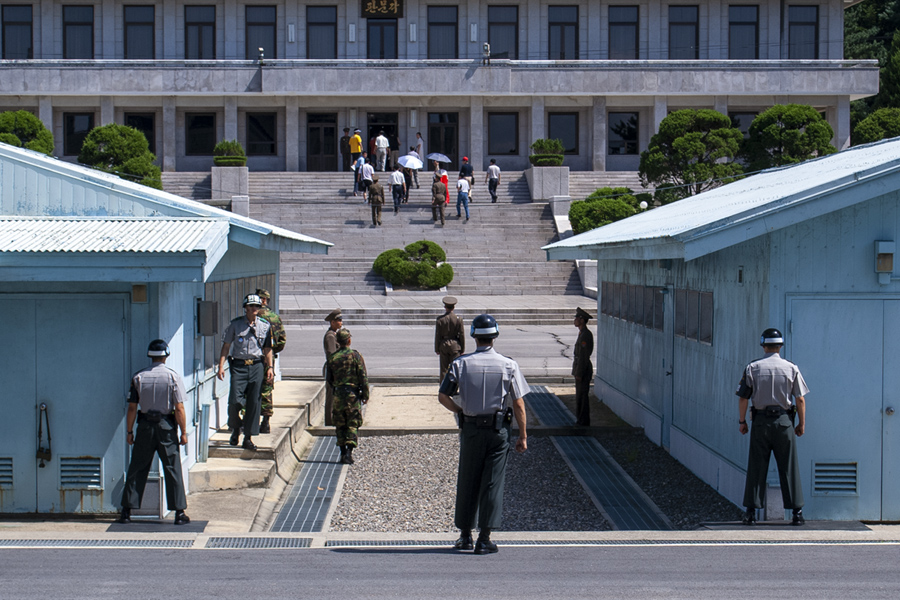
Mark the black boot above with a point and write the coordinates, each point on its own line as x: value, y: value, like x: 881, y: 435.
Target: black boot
x: 749, y: 517
x: 465, y: 540
x: 248, y: 444
x: 235, y: 436
x: 350, y: 460
x: 344, y: 455
x: 264, y: 426
x: 181, y: 518
x: 484, y: 545
x: 797, y: 518
x: 124, y: 516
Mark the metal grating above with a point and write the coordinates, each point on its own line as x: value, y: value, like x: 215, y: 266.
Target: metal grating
x: 449, y: 543
x: 97, y: 543
x: 548, y: 408
x: 835, y: 479
x: 82, y: 472
x: 311, y: 495
x: 6, y: 471
x: 250, y: 543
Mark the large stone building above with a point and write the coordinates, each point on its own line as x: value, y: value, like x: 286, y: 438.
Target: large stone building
x: 285, y: 78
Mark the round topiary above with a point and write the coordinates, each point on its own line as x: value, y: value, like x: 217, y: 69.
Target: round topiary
x: 12, y: 140
x: 425, y: 250
x: 415, y: 265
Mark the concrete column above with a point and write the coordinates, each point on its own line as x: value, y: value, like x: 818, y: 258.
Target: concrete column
x: 530, y: 13
x: 169, y: 49
x: 476, y: 133
x: 233, y: 35
x: 169, y: 132
x: 46, y: 44
x: 291, y: 18
x: 721, y: 104
x: 538, y: 127
x: 660, y: 110
x: 468, y: 48
x: 599, y: 134
x: 107, y: 111
x: 292, y: 133
x: 301, y: 142
x: 597, y: 30
x: 716, y: 48
x: 231, y: 124
x: 655, y: 48
x: 842, y: 126
x: 45, y: 111
x: 357, y: 47
x: 108, y: 34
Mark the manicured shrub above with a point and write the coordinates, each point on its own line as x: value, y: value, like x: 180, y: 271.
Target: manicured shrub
x: 415, y: 265
x: 229, y: 153
x: 547, y: 153
x: 27, y: 129
x: 123, y: 151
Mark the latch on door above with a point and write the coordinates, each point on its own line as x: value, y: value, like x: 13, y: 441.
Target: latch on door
x: 889, y: 410
x: 43, y: 453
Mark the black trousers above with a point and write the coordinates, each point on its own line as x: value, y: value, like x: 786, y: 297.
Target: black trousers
x: 160, y: 439
x: 246, y: 386
x: 773, y: 435
x: 482, y: 469
x: 582, y: 397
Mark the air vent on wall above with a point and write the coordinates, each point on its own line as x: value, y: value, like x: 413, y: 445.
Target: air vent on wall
x: 81, y: 472
x: 835, y: 479
x: 6, y: 471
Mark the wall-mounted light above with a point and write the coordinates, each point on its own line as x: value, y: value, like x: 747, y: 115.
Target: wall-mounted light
x: 291, y: 33
x: 473, y: 32
x: 351, y: 32
x: 352, y: 119
x: 413, y: 118
x: 884, y: 261
x: 412, y: 32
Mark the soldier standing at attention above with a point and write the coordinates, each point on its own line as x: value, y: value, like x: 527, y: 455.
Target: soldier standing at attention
x: 160, y: 393
x: 345, y: 150
x: 770, y: 382
x: 279, y: 339
x: 491, y: 390
x: 582, y: 369
x: 347, y: 373
x: 449, y: 335
x: 335, y: 322
x: 247, y: 344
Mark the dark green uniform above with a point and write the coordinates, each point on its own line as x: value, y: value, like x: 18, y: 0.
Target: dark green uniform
x: 279, y: 338
x: 347, y: 375
x: 583, y: 370
x: 449, y: 339
x: 376, y: 199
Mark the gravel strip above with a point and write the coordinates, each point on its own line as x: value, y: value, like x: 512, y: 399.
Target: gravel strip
x: 408, y: 484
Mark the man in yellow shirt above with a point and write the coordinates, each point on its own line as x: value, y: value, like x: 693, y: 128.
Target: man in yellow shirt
x: 355, y: 145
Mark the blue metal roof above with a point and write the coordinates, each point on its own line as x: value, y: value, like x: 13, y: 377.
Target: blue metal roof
x: 742, y: 210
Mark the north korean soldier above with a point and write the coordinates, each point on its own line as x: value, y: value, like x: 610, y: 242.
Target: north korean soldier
x: 279, y: 339
x: 376, y: 199
x: 485, y: 389
x: 449, y: 335
x: 247, y: 344
x: 347, y: 374
x: 582, y: 369
x: 777, y: 391
x: 157, y: 402
x: 335, y: 322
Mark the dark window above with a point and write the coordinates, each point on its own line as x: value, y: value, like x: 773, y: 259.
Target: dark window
x: 200, y: 134
x: 382, y: 38
x: 261, y: 134
x: 200, y: 32
x: 321, y: 32
x: 140, y: 34
x: 743, y: 32
x: 78, y: 32
x: 503, y: 133
x: 76, y: 126
x: 260, y: 30
x: 17, y: 31
x: 659, y: 310
x: 146, y: 124
x: 742, y: 121
x: 680, y: 304
x: 684, y: 32
x: 623, y: 133
x: 647, y: 319
x: 803, y: 32
x: 604, y: 297
x: 692, y: 315
x: 564, y: 127
x: 503, y: 31
x: 563, y: 32
x: 706, y: 318
x: 442, y: 32
x: 623, y: 32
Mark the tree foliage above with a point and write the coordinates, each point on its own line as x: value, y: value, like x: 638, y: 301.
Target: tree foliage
x: 415, y: 265
x: 881, y: 124
x: 602, y: 207
x: 123, y: 151
x: 23, y: 129
x: 694, y: 149
x: 870, y: 32
x: 786, y: 134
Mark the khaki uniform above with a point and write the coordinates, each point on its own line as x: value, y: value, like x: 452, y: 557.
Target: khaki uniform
x: 376, y: 199
x: 449, y: 339
x: 438, y: 198
x: 331, y: 346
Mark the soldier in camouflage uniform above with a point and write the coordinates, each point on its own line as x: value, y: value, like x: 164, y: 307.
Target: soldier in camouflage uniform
x: 347, y: 374
x: 278, y: 341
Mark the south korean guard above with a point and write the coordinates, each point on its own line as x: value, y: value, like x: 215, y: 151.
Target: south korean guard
x: 777, y: 391
x: 485, y: 390
x: 156, y: 401
x: 449, y: 335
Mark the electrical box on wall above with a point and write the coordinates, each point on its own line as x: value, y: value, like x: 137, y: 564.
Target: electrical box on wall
x: 207, y: 317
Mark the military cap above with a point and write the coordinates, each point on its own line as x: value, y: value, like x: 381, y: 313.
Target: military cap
x: 581, y: 314
x: 263, y: 293
x: 334, y: 315
x: 346, y: 129
x: 342, y: 336
x: 449, y: 300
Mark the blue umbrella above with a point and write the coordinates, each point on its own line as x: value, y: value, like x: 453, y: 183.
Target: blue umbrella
x: 438, y: 157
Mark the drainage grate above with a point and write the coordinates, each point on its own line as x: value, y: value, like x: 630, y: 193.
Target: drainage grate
x: 258, y: 542
x: 311, y: 495
x: 510, y: 543
x: 548, y: 408
x: 98, y: 543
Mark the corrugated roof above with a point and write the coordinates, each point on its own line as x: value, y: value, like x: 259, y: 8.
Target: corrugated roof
x: 64, y: 234
x: 741, y: 202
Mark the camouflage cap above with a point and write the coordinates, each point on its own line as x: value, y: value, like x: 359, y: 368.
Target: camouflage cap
x: 581, y: 314
x: 334, y: 315
x: 342, y: 336
x: 263, y: 293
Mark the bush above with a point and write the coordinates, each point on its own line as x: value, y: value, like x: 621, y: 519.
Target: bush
x: 229, y: 153
x: 8, y: 138
x: 881, y: 124
x: 415, y: 265
x: 546, y: 160
x: 602, y: 207
x: 123, y: 151
x: 787, y: 134
x: 28, y: 130
x: 547, y: 153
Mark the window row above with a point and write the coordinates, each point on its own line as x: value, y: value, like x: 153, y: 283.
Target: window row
x: 694, y: 315
x: 640, y: 304
x: 262, y: 27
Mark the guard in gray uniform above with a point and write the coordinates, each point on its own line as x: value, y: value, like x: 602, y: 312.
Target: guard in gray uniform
x: 449, y: 335
x: 247, y: 344
x: 490, y: 390
x: 159, y: 392
x: 770, y: 383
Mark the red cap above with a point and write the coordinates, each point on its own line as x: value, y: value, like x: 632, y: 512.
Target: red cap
x: 466, y: 158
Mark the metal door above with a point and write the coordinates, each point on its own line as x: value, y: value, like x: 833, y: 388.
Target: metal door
x: 890, y: 439
x: 839, y: 345
x: 321, y: 144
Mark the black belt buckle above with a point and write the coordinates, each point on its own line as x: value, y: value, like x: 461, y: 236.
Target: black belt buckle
x: 153, y: 416
x: 773, y: 411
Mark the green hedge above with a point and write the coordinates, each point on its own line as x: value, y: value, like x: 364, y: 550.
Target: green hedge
x: 546, y: 160
x: 415, y: 265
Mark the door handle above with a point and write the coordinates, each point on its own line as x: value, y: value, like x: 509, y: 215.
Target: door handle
x: 889, y: 410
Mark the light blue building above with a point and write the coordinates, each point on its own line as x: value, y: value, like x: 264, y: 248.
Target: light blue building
x: 91, y: 269
x: 687, y: 288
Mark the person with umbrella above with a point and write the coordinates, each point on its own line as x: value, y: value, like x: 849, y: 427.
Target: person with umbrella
x: 438, y: 158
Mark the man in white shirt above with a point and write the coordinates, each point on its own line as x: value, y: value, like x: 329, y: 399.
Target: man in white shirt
x: 398, y: 187
x: 382, y: 150
x: 365, y: 177
x: 462, y: 196
x: 492, y: 177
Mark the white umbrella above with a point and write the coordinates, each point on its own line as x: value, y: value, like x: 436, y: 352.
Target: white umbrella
x: 438, y: 157
x: 410, y: 162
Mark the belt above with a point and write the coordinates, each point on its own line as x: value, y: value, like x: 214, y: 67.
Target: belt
x: 771, y: 411
x: 244, y: 361
x: 155, y: 419
x: 476, y: 418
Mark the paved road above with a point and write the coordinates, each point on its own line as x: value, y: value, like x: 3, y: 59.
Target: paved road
x: 697, y: 572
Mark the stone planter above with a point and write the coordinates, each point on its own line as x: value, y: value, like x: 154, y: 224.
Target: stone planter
x: 546, y: 182
x: 228, y: 182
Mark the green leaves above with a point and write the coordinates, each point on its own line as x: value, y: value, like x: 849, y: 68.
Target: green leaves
x: 123, y: 151
x: 23, y: 129
x: 881, y: 124
x: 787, y: 134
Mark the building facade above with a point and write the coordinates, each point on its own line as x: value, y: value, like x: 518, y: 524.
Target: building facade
x: 286, y: 77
